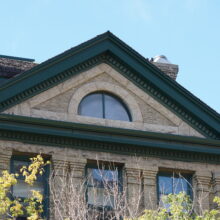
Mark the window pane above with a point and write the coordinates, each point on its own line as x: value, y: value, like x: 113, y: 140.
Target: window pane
x: 100, y: 197
x: 92, y: 106
x: 172, y: 184
x: 102, y: 184
x: 23, y: 190
x: 180, y: 184
x: 101, y: 178
x: 18, y: 165
x: 114, y: 109
x: 165, y: 185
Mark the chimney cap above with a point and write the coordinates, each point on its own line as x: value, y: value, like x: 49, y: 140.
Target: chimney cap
x: 161, y: 59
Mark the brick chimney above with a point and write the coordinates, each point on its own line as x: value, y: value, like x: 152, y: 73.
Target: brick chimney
x: 165, y: 66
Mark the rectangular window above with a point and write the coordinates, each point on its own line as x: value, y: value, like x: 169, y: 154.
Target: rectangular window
x: 173, y: 183
x: 23, y: 190
x: 103, y: 183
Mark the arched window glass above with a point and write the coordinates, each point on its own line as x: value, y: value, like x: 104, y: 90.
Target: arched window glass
x: 104, y: 105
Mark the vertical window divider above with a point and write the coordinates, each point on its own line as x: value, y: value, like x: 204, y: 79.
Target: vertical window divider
x: 103, y: 104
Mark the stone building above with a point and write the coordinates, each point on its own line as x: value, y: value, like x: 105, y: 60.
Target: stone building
x: 101, y: 100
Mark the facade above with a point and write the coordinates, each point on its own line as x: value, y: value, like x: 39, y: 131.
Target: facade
x: 103, y: 101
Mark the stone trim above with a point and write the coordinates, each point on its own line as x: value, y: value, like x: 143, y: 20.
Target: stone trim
x: 77, y: 170
x: 202, y: 180
x: 27, y: 108
x: 125, y: 70
x: 216, y: 183
x: 134, y: 188
x: 133, y: 175
x: 127, y: 149
x: 108, y: 87
x: 5, y: 158
x: 150, y: 187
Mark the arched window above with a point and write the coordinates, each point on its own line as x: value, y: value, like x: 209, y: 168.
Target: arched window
x: 104, y: 105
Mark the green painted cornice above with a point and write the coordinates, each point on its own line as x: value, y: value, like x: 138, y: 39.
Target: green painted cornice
x: 116, y: 140
x: 109, y: 49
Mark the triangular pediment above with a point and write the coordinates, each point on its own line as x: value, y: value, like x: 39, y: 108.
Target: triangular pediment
x: 161, y: 104
x: 61, y: 101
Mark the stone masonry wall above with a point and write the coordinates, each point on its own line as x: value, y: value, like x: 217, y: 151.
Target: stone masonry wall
x: 61, y: 103
x: 204, y: 174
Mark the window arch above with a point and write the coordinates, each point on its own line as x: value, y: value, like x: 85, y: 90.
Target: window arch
x: 104, y: 105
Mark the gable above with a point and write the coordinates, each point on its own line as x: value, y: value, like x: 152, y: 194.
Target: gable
x: 109, y: 49
x: 61, y: 103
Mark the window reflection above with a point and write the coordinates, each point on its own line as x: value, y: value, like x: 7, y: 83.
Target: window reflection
x: 171, y: 183
x: 101, y: 186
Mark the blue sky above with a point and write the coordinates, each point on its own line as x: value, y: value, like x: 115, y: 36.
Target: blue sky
x: 186, y: 31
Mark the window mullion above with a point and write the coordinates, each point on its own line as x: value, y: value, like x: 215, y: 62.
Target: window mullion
x: 173, y: 178
x: 103, y: 105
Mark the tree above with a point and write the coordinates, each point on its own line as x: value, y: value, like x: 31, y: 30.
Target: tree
x: 70, y: 200
x: 12, y: 207
x: 180, y: 207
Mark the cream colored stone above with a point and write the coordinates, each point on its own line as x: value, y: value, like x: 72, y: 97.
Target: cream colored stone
x: 48, y: 94
x: 144, y: 109
x: 131, y: 161
x: 87, y: 120
x: 203, y: 188
x: 58, y: 103
x: 194, y: 133
x: 5, y: 157
x: 148, y: 166
x: 13, y: 110
x: 48, y: 115
x: 184, y: 129
x: 160, y: 128
x: 150, y: 187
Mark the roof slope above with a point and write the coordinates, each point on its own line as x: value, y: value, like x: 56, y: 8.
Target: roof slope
x: 13, y: 66
x: 109, y: 49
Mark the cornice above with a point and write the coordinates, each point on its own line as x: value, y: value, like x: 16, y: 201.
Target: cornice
x: 119, y: 148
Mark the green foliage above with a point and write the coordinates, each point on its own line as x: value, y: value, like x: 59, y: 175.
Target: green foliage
x: 12, y: 207
x: 180, y: 208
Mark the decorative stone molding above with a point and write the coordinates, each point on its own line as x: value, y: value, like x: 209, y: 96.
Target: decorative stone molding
x: 216, y: 183
x: 77, y: 170
x: 5, y: 157
x: 150, y: 187
x: 108, y: 87
x: 134, y: 188
x: 68, y: 173
x: 202, y: 181
x: 60, y: 166
x: 36, y: 106
x: 133, y: 175
x: 66, y: 166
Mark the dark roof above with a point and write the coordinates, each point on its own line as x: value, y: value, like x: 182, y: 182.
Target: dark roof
x: 13, y: 66
x: 111, y: 50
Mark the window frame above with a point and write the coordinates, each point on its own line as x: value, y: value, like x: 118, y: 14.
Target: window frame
x: 186, y: 175
x: 103, y: 93
x: 45, y: 179
x: 97, y: 165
